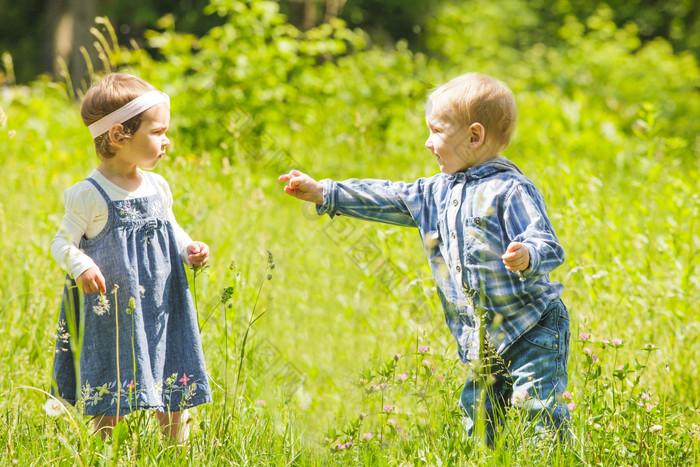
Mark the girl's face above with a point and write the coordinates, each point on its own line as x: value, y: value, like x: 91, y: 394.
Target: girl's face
x: 449, y: 142
x: 145, y: 148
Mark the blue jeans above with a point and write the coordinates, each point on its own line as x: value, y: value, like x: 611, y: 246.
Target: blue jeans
x: 535, y: 363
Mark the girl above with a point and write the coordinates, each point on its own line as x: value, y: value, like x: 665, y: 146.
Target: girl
x: 141, y: 347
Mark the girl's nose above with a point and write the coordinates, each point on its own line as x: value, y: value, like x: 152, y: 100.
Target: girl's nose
x: 166, y: 141
x: 428, y: 143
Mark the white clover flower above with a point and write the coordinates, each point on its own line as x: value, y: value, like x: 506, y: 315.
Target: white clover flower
x: 53, y: 407
x: 655, y: 428
x: 519, y: 397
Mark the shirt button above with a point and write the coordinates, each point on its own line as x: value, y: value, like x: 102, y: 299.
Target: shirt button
x: 458, y: 268
x: 454, y: 202
x: 477, y: 221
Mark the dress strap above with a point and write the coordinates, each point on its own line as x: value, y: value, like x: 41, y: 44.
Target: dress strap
x: 100, y: 189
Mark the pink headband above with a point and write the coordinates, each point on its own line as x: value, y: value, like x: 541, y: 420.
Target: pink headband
x: 128, y: 110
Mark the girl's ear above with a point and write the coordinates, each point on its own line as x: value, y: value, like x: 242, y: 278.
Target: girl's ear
x: 477, y: 135
x: 116, y: 135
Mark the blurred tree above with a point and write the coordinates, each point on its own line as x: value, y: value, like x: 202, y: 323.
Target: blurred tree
x: 36, y: 32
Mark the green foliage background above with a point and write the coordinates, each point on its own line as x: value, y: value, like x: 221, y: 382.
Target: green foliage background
x: 608, y: 130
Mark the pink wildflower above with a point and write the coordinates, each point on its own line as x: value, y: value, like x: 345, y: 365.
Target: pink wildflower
x: 388, y: 408
x: 423, y: 349
x: 397, y: 356
x: 595, y: 358
x: 572, y: 406
x: 567, y: 396
x: 584, y: 336
x: 184, y: 380
x: 616, y: 342
x: 403, y: 377
x: 261, y: 403
x: 367, y: 436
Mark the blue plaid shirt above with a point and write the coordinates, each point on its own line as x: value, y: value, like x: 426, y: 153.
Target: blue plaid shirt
x: 466, y: 221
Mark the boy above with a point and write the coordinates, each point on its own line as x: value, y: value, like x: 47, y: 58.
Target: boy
x: 490, y: 247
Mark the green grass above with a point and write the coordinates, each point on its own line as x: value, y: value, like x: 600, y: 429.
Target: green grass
x: 620, y: 179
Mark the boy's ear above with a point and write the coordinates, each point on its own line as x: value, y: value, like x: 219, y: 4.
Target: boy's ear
x: 477, y: 135
x: 116, y: 135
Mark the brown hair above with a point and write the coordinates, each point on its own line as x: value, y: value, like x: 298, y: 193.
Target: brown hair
x: 474, y: 97
x: 107, y: 95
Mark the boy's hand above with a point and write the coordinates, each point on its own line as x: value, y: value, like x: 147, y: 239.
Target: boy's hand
x: 92, y: 280
x: 516, y: 257
x: 197, y: 254
x: 302, y: 186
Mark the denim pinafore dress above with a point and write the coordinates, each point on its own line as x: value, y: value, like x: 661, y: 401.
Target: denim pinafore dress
x: 145, y: 325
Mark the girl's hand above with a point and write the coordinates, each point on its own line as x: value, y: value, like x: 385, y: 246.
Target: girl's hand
x: 302, y: 186
x: 197, y: 254
x: 516, y: 257
x: 92, y: 280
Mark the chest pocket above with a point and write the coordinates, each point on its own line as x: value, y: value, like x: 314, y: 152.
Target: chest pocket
x: 482, y: 238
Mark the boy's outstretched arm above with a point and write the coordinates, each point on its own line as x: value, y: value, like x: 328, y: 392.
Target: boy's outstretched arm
x: 302, y: 186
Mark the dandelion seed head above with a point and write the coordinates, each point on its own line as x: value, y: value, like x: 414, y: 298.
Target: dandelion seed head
x: 53, y: 407
x: 102, y: 306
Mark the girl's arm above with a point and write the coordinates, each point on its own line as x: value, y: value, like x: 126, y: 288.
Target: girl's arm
x: 81, y: 206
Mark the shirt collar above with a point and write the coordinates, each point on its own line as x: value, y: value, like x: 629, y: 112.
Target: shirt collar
x: 499, y: 164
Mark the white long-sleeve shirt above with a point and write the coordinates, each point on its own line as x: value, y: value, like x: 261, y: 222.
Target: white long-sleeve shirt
x: 86, y: 215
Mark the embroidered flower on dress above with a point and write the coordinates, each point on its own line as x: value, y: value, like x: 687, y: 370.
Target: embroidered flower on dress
x: 129, y: 212
x: 102, y: 390
x: 87, y: 390
x: 184, y: 380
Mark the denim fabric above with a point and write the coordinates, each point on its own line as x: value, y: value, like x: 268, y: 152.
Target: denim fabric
x: 535, y: 363
x: 147, y: 305
x: 466, y: 221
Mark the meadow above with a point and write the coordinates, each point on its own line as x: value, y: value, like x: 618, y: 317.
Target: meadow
x: 324, y: 339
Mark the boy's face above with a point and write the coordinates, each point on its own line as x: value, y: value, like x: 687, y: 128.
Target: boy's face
x: 449, y: 142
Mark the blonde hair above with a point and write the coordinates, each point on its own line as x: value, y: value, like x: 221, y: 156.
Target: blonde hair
x: 475, y: 97
x: 107, y: 95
